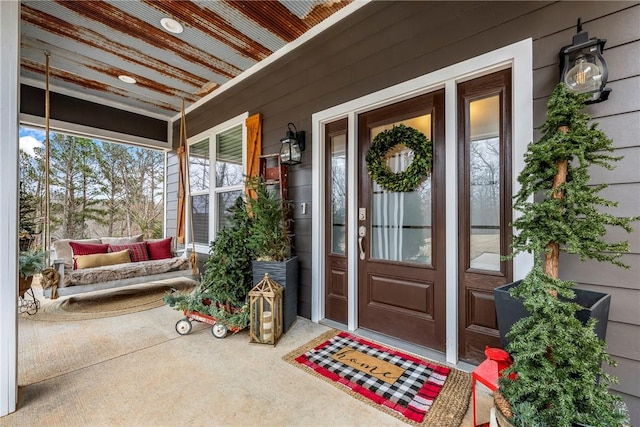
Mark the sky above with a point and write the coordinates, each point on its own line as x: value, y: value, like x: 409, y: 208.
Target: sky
x: 30, y: 138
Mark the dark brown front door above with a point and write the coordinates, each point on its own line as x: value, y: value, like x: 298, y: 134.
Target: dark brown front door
x: 484, y: 202
x: 401, y: 263
x: 336, y: 214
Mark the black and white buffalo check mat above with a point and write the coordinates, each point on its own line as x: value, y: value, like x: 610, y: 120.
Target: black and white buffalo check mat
x: 403, y: 383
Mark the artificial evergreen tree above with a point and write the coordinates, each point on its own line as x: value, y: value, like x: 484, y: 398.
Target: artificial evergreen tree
x: 559, y: 380
x: 270, y: 235
x: 27, y: 230
x: 227, y: 277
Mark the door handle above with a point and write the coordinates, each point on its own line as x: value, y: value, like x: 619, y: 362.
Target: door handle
x: 360, y: 239
x: 362, y: 231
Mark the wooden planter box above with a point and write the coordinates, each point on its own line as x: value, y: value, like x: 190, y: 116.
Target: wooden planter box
x: 509, y: 310
x: 286, y: 274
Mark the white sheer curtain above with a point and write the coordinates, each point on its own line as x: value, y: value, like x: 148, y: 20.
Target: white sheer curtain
x: 389, y: 215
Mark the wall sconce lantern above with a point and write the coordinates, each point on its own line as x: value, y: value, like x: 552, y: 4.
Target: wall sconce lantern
x: 584, y: 70
x: 265, y: 311
x: 292, y: 146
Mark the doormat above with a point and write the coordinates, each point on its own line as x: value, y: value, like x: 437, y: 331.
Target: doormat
x: 415, y: 390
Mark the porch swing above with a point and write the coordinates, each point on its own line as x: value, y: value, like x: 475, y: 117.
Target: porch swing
x: 60, y: 280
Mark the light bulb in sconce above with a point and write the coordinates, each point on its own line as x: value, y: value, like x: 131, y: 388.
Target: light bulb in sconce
x: 584, y: 76
x: 583, y: 68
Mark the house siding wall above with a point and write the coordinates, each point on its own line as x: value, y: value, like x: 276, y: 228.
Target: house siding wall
x: 171, y: 208
x: 385, y: 43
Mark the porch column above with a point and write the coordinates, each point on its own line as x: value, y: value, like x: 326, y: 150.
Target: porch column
x: 9, y: 122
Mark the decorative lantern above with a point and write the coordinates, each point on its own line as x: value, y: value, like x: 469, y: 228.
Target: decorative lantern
x: 265, y: 304
x: 293, y: 145
x: 584, y: 70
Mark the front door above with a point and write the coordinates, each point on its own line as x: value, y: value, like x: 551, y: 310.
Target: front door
x: 401, y: 263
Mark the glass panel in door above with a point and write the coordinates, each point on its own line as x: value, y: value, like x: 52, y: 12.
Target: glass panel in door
x: 401, y: 221
x: 484, y: 194
x: 338, y: 191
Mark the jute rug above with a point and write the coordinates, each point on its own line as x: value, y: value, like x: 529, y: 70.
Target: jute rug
x: 109, y: 302
x: 415, y: 390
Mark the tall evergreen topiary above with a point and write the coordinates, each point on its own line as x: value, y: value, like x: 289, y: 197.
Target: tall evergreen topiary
x: 568, y: 216
x: 557, y: 360
x: 227, y: 276
x: 227, y: 271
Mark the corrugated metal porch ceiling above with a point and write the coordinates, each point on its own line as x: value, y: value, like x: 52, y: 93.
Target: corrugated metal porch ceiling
x: 91, y: 43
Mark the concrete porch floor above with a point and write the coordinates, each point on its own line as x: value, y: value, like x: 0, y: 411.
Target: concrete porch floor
x: 135, y: 370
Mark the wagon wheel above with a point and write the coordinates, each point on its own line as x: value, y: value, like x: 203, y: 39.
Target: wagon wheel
x: 22, y: 305
x: 32, y: 307
x: 183, y: 327
x: 34, y: 303
x: 219, y: 330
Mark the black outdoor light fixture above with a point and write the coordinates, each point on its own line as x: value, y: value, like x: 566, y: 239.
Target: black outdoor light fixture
x: 584, y: 70
x: 292, y: 146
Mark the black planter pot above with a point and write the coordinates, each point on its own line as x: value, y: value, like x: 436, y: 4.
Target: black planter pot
x: 509, y: 310
x: 286, y: 274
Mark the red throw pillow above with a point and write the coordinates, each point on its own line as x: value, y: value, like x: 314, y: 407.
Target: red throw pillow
x: 80, y: 249
x: 160, y: 249
x: 138, y: 251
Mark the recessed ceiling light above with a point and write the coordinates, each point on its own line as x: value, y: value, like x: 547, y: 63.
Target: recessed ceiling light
x: 171, y: 25
x: 127, y: 79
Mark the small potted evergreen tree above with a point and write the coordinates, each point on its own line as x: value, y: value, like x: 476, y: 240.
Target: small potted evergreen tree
x: 270, y: 239
x: 30, y: 263
x: 556, y: 378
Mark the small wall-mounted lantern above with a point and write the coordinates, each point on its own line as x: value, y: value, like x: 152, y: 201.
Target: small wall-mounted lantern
x: 265, y: 305
x: 293, y: 145
x: 584, y: 70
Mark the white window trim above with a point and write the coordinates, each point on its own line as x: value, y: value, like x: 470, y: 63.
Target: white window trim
x: 213, y: 191
x: 518, y: 56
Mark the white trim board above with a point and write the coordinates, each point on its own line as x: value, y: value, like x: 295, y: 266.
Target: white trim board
x: 9, y: 110
x: 519, y: 56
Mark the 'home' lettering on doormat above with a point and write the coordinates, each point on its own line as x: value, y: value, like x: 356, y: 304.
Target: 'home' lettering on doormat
x: 373, y: 366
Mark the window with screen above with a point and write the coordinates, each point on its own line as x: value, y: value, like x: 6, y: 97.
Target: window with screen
x: 220, y: 151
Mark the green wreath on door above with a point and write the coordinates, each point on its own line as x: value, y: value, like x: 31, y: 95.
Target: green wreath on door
x: 418, y: 170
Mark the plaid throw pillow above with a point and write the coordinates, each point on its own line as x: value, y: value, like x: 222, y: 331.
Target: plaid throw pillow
x: 137, y: 251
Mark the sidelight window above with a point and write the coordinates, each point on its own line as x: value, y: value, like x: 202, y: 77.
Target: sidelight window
x: 484, y: 180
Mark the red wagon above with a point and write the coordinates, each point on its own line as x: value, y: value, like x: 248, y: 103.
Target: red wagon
x: 219, y: 330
